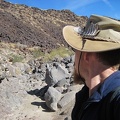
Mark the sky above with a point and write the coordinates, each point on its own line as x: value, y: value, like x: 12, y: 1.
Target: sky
x: 109, y: 8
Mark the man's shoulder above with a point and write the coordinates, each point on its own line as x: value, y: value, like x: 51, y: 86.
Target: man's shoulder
x: 83, y: 94
x: 115, y: 94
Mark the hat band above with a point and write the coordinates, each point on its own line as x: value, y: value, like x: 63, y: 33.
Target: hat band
x: 88, y: 32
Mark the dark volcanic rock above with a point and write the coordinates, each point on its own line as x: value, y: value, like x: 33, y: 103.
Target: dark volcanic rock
x: 35, y: 27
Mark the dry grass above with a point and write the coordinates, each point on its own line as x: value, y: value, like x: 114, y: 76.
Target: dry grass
x: 19, y: 53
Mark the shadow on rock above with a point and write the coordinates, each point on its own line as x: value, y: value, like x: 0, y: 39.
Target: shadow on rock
x: 39, y: 92
x: 43, y: 105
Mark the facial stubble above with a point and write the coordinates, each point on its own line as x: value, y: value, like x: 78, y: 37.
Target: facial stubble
x: 78, y: 79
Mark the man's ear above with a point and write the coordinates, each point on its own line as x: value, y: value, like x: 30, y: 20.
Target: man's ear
x: 86, y: 57
x: 89, y: 57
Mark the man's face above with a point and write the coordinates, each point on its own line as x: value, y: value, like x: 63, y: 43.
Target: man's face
x: 78, y: 78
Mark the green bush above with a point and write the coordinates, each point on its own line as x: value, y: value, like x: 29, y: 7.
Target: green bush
x: 16, y: 58
x: 37, y: 53
x: 60, y: 52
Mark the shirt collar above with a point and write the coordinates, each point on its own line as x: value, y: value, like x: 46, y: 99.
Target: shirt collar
x: 112, y: 82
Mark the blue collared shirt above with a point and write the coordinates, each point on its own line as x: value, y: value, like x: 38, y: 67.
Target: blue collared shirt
x: 91, y: 108
x: 110, y: 84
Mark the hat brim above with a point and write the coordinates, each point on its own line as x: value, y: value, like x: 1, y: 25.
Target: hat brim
x: 87, y: 45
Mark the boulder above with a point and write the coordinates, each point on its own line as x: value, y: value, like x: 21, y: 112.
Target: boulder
x: 52, y: 96
x: 55, y: 74
x: 66, y: 99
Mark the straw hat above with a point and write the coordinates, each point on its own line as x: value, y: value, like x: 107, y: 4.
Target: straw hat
x: 100, y: 34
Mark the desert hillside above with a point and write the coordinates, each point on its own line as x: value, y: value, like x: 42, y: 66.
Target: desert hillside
x: 35, y: 27
x: 36, y: 65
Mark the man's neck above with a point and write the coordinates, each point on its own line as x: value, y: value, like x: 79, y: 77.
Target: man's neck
x: 96, y: 79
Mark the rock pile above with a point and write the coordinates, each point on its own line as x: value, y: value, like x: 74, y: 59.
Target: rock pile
x: 51, y: 82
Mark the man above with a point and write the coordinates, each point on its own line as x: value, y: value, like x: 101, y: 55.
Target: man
x: 97, y: 59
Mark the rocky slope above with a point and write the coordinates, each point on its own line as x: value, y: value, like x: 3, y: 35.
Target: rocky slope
x: 35, y: 90
x: 35, y: 27
x: 23, y: 76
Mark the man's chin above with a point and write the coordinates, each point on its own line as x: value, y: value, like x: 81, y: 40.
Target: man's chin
x: 78, y: 79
